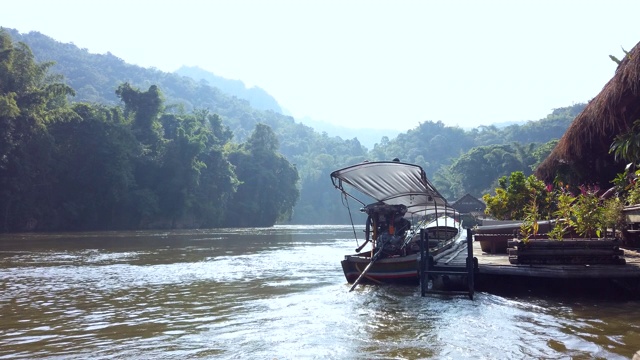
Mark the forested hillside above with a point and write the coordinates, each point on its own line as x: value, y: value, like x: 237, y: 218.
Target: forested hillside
x: 461, y: 162
x: 90, y: 166
x: 451, y: 156
x: 257, y: 97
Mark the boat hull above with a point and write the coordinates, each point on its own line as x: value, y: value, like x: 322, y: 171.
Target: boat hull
x: 397, y: 269
x: 402, y: 269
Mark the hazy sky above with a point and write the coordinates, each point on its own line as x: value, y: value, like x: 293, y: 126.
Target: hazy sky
x: 378, y: 64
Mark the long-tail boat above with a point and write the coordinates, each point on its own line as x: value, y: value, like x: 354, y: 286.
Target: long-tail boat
x: 404, y: 201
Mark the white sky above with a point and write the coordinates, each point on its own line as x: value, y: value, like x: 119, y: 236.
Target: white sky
x: 376, y: 64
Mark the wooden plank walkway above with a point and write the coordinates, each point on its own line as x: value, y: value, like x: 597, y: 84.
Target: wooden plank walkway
x: 498, y: 264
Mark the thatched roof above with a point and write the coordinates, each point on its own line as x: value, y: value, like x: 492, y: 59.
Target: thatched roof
x: 582, y: 154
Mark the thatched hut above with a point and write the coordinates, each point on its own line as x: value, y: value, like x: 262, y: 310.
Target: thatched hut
x: 582, y: 154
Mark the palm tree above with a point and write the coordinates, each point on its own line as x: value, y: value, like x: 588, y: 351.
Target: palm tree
x: 627, y: 145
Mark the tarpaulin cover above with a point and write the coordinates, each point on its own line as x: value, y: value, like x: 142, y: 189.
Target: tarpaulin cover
x: 392, y: 183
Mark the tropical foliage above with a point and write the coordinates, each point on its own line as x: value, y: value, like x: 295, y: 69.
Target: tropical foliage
x: 515, y: 194
x: 585, y: 213
x: 268, y: 189
x: 140, y: 165
x: 182, y: 156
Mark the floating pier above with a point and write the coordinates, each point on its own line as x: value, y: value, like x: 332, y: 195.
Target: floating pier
x: 498, y: 264
x: 496, y: 268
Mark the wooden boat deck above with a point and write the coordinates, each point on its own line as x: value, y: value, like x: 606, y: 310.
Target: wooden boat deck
x: 498, y: 264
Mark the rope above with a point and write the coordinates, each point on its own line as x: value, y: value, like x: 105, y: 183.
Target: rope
x: 346, y: 200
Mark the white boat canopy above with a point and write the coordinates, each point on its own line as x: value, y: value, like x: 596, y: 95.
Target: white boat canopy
x: 392, y: 183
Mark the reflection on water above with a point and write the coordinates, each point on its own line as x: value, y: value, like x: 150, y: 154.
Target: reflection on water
x: 267, y: 293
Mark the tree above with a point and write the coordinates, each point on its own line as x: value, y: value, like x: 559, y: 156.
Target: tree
x: 29, y: 100
x: 93, y: 169
x: 627, y: 145
x: 144, y: 108
x: 267, y: 190
x: 541, y: 152
x: 515, y: 194
x: 196, y: 179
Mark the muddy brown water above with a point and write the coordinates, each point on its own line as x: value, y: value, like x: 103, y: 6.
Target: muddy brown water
x: 276, y: 293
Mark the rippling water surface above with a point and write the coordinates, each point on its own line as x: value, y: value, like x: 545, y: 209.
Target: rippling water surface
x: 275, y: 293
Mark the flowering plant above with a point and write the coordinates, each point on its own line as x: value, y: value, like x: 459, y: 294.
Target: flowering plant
x: 588, y: 212
x: 563, y: 212
x: 584, y: 213
x: 529, y: 225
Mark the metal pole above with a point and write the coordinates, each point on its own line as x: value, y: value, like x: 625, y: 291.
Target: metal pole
x: 421, y: 265
x: 470, y: 264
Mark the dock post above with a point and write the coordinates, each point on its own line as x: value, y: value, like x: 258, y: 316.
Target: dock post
x: 424, y: 262
x: 421, y: 264
x: 470, y: 264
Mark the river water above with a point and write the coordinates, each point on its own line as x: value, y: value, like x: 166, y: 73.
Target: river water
x: 276, y: 293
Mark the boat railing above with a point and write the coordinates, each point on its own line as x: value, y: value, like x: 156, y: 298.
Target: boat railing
x: 428, y: 269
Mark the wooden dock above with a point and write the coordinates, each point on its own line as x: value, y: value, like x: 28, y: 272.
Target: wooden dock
x: 492, y: 266
x: 498, y: 264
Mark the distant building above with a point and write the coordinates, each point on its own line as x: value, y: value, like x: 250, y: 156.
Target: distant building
x: 471, y: 209
x: 469, y: 204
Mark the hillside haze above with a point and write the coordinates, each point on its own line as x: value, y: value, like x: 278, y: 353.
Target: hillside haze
x: 458, y: 161
x: 257, y: 97
x: 260, y: 99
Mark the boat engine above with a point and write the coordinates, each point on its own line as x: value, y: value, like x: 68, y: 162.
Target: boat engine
x: 389, y: 227
x: 390, y: 244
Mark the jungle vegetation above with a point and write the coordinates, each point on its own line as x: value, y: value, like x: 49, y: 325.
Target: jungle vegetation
x: 88, y: 141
